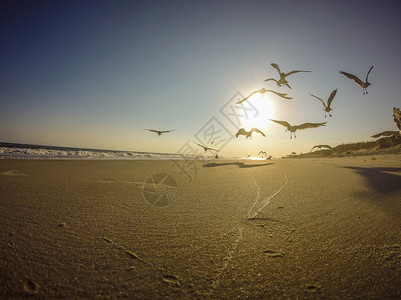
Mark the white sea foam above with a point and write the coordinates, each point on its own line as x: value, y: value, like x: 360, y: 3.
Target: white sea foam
x: 16, y: 151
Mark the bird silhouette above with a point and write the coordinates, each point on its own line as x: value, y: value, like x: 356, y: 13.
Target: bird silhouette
x: 262, y: 91
x: 327, y: 107
x: 262, y: 152
x: 294, y: 128
x: 386, y: 133
x: 248, y: 134
x: 282, y: 81
x: 159, y: 132
x: 321, y: 146
x: 206, y: 148
x: 363, y: 85
x: 397, y: 120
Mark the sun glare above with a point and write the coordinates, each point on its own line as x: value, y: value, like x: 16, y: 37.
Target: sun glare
x: 265, y: 109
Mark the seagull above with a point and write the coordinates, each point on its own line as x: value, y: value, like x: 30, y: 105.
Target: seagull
x: 386, y: 133
x: 159, y: 132
x: 206, y: 148
x: 294, y: 128
x: 321, y: 146
x: 248, y: 134
x: 363, y: 85
x: 327, y: 107
x: 282, y: 81
x: 262, y: 91
x: 397, y: 120
x: 262, y: 152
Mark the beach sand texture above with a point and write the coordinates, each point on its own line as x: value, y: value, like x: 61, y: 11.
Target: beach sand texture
x: 324, y: 228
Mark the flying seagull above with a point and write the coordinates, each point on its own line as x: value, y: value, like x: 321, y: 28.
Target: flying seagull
x: 206, y: 148
x: 248, y: 134
x: 282, y: 81
x: 262, y: 152
x: 363, y: 85
x: 327, y: 107
x: 397, y: 120
x: 159, y: 132
x: 294, y: 128
x: 386, y: 133
x: 262, y: 91
x: 321, y: 146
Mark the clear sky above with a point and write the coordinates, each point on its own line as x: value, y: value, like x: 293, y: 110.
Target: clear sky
x: 93, y: 74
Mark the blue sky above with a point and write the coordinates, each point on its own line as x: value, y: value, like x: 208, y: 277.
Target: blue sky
x: 93, y: 74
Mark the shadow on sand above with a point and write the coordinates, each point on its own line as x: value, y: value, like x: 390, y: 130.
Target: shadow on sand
x: 379, y: 179
x: 238, y: 164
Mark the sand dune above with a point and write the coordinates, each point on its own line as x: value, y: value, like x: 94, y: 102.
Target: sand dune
x: 321, y: 228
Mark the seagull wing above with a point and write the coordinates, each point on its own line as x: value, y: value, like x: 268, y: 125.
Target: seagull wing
x: 208, y: 148
x: 293, y: 72
x: 310, y: 125
x: 151, y: 130
x: 246, y: 98
x: 165, y: 131
x: 353, y: 77
x: 274, y: 65
x: 283, y: 123
x: 201, y: 146
x: 257, y: 130
x: 367, y: 75
x: 282, y: 95
x: 331, y: 97
x: 324, y: 104
x: 322, y: 146
x: 268, y: 79
x: 313, y: 148
x: 242, y: 131
x: 328, y: 147
x: 385, y: 133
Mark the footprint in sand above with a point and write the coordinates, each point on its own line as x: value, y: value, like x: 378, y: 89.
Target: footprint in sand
x: 272, y: 253
x: 30, y: 287
x: 312, y: 288
x: 171, y: 279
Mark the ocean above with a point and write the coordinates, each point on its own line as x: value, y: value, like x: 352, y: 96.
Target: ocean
x: 28, y: 151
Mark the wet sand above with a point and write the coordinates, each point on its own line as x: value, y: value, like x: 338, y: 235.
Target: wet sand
x: 324, y: 228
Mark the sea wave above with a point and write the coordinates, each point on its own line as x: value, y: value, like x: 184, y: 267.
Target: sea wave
x: 25, y: 151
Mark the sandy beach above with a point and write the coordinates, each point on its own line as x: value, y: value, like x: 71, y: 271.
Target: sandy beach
x: 320, y: 228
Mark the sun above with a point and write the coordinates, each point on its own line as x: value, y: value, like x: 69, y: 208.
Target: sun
x: 265, y: 109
